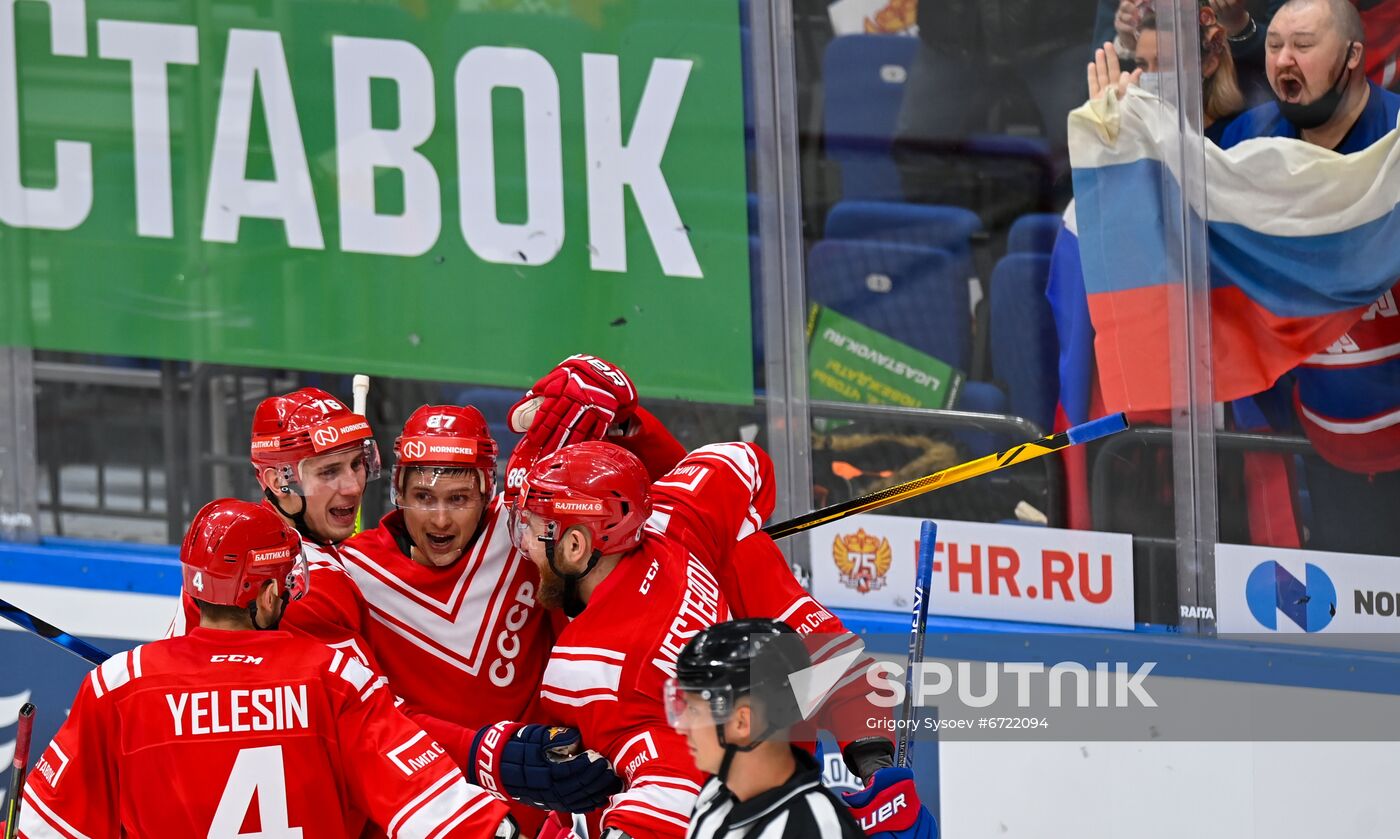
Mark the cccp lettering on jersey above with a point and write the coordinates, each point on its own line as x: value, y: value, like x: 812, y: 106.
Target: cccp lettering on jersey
x: 280, y: 708
x: 508, y: 639
x: 699, y: 608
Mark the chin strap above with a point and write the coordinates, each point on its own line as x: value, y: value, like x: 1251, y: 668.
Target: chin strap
x: 573, y: 604
x: 298, y: 519
x: 730, y: 749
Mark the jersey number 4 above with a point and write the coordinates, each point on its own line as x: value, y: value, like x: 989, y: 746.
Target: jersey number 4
x: 255, y: 771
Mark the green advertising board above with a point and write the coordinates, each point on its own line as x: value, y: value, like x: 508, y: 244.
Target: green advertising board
x: 850, y: 362
x: 414, y: 188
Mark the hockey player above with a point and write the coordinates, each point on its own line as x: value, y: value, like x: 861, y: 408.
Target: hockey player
x: 439, y: 597
x: 733, y: 701
x: 758, y: 583
x: 229, y: 729
x: 635, y: 597
x: 312, y: 457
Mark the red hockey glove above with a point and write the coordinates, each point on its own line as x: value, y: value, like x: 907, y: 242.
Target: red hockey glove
x: 889, y: 807
x: 580, y: 399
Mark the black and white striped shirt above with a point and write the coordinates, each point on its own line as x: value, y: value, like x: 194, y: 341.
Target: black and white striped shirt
x: 802, y: 808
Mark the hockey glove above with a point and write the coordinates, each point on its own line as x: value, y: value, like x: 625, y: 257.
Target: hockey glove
x: 889, y: 807
x: 582, y: 398
x: 867, y: 755
x: 542, y: 766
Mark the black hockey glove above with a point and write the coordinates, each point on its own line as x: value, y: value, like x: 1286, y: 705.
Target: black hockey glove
x: 541, y: 765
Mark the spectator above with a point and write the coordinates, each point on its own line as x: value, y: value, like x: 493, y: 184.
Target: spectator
x: 1079, y: 398
x: 1221, y: 98
x: 1243, y: 22
x: 1347, y: 399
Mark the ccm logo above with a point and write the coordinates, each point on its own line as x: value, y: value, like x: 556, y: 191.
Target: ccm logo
x: 326, y: 436
x: 237, y: 659
x: 415, y: 449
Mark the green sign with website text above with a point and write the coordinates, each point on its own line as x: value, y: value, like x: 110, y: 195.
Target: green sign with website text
x: 407, y: 189
x: 850, y: 362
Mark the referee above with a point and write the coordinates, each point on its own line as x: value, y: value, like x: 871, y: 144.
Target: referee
x: 732, y: 701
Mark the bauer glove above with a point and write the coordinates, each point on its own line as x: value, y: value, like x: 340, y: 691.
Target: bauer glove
x: 889, y: 807
x: 541, y: 765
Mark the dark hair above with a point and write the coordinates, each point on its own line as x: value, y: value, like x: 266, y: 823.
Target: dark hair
x: 222, y: 613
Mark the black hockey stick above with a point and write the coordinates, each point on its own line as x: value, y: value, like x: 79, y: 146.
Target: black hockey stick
x: 1082, y: 433
x: 48, y: 631
x: 20, y: 769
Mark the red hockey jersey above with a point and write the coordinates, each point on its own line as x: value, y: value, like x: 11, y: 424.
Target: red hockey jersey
x: 753, y: 574
x: 607, y: 670
x: 226, y: 734
x: 466, y: 643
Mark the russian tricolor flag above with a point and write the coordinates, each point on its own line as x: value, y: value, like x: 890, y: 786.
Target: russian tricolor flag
x: 1302, y: 241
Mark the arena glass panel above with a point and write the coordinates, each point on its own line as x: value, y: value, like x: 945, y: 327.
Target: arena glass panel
x: 1307, y: 451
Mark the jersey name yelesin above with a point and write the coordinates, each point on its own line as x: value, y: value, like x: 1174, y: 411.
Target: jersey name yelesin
x: 278, y: 708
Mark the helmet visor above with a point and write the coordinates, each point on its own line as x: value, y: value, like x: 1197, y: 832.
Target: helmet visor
x: 432, y: 488
x: 690, y: 706
x: 298, y: 578
x: 339, y: 472
x: 527, y: 527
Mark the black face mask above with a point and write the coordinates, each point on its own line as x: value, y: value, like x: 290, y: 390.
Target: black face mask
x: 1319, y: 111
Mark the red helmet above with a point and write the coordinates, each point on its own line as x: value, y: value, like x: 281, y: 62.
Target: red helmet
x: 446, y: 437
x: 597, y: 485
x: 308, y: 423
x: 233, y: 546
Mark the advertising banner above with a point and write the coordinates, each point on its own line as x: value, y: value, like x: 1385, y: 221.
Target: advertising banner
x: 851, y: 362
x: 406, y: 189
x: 1305, y: 593
x: 994, y: 571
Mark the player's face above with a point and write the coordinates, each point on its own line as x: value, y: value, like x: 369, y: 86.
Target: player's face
x: 441, y: 510
x: 698, y: 726
x: 1303, y: 53
x: 333, y: 485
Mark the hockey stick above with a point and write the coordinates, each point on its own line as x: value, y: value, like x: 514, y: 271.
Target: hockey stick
x: 44, y: 629
x: 923, y: 580
x: 1082, y: 433
x: 359, y: 392
x: 20, y: 769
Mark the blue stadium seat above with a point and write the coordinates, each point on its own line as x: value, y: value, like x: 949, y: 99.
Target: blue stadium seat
x: 1034, y: 233
x: 921, y: 225
x: 1024, y: 346
x: 864, y: 78
x: 915, y: 295
x: 982, y: 398
x: 924, y: 225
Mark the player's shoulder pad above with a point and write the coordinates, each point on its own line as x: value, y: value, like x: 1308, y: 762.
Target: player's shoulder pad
x: 116, y: 672
x: 745, y: 461
x: 342, y: 662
